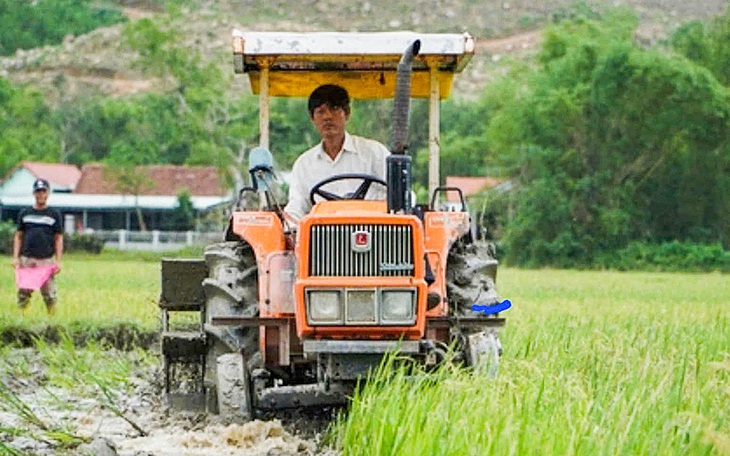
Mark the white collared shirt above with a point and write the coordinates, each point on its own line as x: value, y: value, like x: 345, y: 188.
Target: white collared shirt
x: 358, y: 155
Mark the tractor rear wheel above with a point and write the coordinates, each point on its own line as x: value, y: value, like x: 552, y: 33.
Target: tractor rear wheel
x: 231, y: 290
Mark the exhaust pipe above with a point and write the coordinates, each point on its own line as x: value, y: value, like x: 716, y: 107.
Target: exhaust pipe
x: 402, y: 107
x: 399, y: 177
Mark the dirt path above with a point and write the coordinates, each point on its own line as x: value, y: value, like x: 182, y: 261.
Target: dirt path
x: 133, y: 13
x: 510, y: 44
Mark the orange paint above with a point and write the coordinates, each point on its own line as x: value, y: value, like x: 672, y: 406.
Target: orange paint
x: 264, y: 231
x: 442, y: 230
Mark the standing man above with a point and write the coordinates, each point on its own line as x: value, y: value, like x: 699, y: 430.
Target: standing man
x: 39, y: 242
x: 338, y: 153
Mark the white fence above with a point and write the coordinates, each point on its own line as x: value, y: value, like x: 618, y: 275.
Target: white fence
x: 156, y: 240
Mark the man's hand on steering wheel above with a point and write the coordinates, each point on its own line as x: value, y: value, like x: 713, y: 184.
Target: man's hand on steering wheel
x: 358, y: 194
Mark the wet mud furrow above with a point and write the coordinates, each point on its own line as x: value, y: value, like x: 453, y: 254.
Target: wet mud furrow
x: 136, y: 422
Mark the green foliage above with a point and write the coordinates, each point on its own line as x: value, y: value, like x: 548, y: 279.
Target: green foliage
x: 291, y: 130
x: 7, y: 231
x: 579, y: 10
x: 32, y: 24
x: 27, y: 128
x: 192, y: 122
x: 183, y: 216
x: 83, y: 242
x: 145, y: 129
x: 609, y: 142
x: 707, y: 44
x: 668, y: 256
x: 195, y: 122
x: 152, y: 257
x: 691, y: 40
x: 604, y: 142
x: 464, y: 146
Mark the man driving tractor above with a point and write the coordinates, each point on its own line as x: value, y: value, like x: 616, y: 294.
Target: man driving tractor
x: 338, y: 153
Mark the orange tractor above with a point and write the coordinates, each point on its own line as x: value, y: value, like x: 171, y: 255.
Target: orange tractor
x: 294, y: 314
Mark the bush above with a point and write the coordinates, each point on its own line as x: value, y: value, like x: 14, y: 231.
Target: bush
x: 82, y: 243
x: 7, y: 231
x: 668, y: 256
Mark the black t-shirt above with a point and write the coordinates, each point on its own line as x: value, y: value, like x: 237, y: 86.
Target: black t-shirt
x: 39, y: 227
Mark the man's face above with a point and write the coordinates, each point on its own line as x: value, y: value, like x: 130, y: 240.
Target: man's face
x: 41, y: 197
x: 330, y: 121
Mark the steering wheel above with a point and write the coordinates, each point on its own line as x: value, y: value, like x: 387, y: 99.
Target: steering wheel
x: 359, y: 194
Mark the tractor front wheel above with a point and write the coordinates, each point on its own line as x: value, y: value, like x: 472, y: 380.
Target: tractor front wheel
x: 471, y: 273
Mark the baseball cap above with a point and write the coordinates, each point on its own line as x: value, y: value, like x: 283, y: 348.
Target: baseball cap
x: 41, y: 184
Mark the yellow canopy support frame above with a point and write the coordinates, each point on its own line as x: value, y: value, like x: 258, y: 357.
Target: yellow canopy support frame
x: 294, y: 64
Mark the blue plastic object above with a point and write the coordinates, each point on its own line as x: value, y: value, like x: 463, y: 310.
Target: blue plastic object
x: 493, y: 309
x: 261, y: 168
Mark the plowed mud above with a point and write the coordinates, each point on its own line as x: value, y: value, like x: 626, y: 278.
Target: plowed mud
x: 147, y: 426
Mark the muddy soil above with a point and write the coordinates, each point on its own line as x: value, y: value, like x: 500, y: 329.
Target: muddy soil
x: 148, y: 427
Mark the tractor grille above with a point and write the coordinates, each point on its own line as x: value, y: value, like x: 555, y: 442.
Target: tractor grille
x: 334, y: 251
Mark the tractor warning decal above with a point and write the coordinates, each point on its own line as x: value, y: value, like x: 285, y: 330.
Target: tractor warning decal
x: 261, y: 220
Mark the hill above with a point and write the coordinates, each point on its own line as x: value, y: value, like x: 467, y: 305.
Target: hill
x: 97, y: 62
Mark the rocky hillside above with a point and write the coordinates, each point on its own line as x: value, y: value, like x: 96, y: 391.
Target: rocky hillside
x: 96, y: 63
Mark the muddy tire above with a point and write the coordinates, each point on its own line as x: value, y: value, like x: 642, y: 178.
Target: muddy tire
x: 483, y: 351
x: 231, y: 290
x: 234, y: 392
x: 471, y: 273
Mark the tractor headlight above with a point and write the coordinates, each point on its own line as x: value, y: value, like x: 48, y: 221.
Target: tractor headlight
x: 361, y: 307
x: 397, y: 307
x: 324, y: 307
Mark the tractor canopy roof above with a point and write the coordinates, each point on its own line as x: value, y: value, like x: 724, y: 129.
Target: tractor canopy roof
x: 363, y: 63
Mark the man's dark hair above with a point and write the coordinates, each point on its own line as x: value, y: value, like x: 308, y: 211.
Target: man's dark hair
x: 332, y: 95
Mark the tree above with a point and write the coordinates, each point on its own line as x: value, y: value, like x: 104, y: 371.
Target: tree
x: 32, y: 24
x: 27, y: 129
x: 609, y: 142
x: 707, y: 44
x: 130, y: 180
x: 183, y: 216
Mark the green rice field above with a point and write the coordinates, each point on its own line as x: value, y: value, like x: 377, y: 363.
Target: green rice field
x: 604, y: 363
x: 93, y: 290
x: 594, y: 363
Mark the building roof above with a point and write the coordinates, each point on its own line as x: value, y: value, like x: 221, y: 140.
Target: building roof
x: 59, y: 175
x: 469, y: 185
x: 162, y: 180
